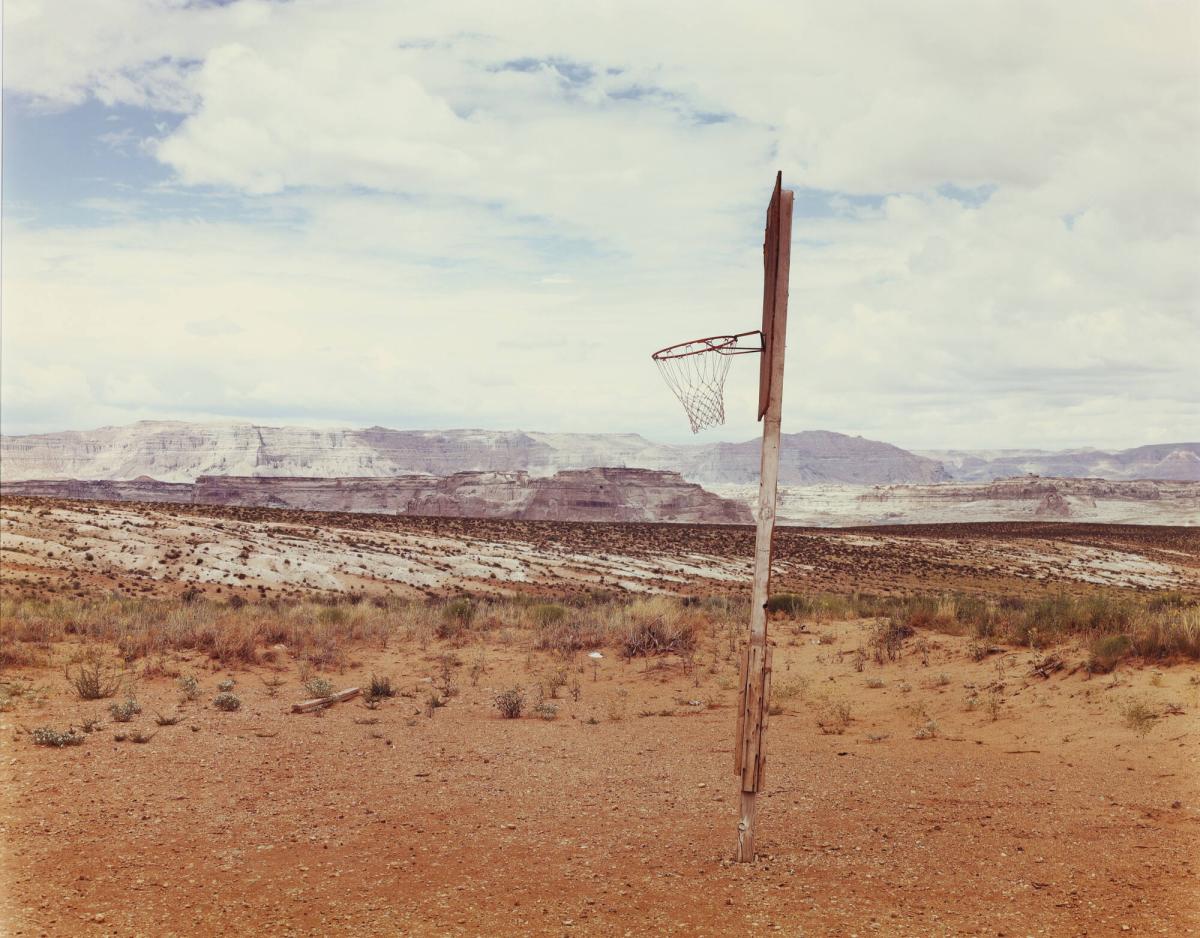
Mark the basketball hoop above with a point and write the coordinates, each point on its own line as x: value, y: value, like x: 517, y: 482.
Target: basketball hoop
x: 695, y: 371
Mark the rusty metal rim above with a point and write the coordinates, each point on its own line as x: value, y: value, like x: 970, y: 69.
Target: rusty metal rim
x: 722, y: 344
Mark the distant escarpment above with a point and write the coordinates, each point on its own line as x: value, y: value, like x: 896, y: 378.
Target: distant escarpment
x: 604, y: 494
x: 1168, y: 462
x: 1142, y: 501
x: 142, y: 489
x: 175, y: 451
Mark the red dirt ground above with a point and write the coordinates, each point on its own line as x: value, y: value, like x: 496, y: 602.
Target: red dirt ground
x: 1052, y: 819
x: 1033, y: 810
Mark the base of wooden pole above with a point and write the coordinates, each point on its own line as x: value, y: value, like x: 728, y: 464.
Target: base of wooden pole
x: 745, y: 837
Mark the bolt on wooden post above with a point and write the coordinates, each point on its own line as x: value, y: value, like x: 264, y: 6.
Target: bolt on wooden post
x: 750, y: 743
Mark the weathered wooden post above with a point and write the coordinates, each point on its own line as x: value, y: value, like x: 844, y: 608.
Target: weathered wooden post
x: 750, y: 744
x: 696, y: 372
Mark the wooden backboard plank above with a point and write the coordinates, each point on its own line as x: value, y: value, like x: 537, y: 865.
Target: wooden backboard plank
x: 777, y: 244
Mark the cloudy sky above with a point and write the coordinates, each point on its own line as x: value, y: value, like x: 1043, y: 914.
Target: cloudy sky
x: 487, y: 215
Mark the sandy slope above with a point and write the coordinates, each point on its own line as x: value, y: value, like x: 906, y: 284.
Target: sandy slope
x: 45, y: 543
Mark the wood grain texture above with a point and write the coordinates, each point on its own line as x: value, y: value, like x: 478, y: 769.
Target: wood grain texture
x: 755, y: 701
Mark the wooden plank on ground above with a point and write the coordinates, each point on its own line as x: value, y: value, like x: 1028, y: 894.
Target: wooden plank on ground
x: 318, y: 703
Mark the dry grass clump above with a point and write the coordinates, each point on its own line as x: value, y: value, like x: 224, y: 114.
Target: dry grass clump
x: 833, y: 715
x: 1158, y: 626
x: 546, y: 615
x: 644, y: 627
x: 1168, y: 632
x: 575, y: 630
x: 1106, y: 651
x: 659, y: 626
x: 784, y: 690
x: 380, y: 687
x: 142, y: 628
x: 20, y: 654
x: 818, y: 606
x: 1139, y: 716
x: 456, y: 618
x: 1161, y: 626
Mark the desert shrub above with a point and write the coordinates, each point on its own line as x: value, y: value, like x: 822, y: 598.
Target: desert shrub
x: 978, y: 614
x: 189, y: 685
x: 552, y: 680
x: 15, y: 654
x: 545, y: 711
x: 332, y: 615
x: 510, y: 703
x: 577, y: 633
x: 1139, y: 716
x: 233, y: 640
x: 132, y: 645
x: 994, y: 703
x: 379, y: 687
x: 617, y: 704
x: 456, y: 617
x: 443, y: 681
x: 167, y: 720
x: 927, y: 730
x: 546, y: 615
x: 124, y: 711
x: 92, y: 680
x: 790, y: 604
x: 658, y: 627
x: 1172, y: 631
x: 227, y: 702
x: 789, y: 689
x: 887, y: 638
x: 226, y: 685
x: 833, y: 716
x: 977, y: 650
x: 1170, y: 599
x: 318, y: 687
x: 57, y: 739
x: 945, y: 614
x: 433, y: 701
x: 1107, y: 651
x: 917, y: 612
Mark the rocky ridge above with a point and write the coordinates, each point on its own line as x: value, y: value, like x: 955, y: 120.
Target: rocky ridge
x: 573, y: 495
x: 1178, y: 462
x: 173, y: 451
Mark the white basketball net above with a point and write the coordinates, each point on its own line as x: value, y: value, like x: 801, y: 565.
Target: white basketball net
x: 696, y: 373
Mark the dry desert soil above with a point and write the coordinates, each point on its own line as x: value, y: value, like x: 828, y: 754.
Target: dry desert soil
x: 960, y: 797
